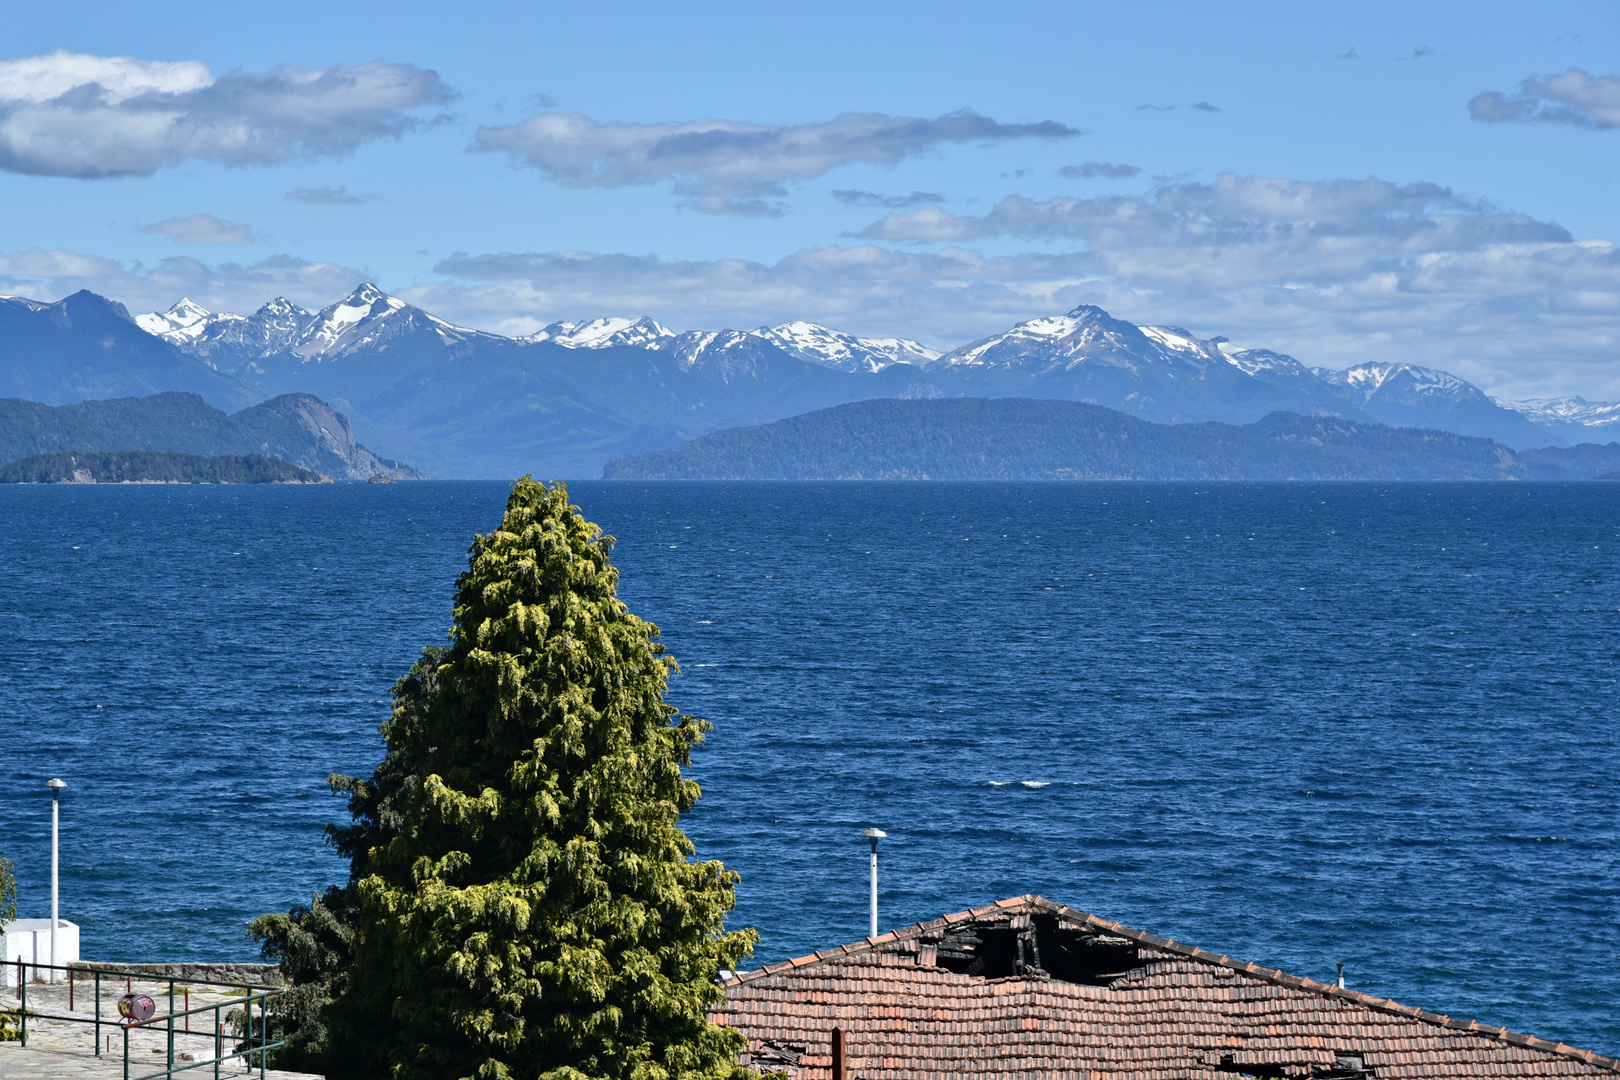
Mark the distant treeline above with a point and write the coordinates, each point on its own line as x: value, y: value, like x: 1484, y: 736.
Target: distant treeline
x: 1026, y: 439
x: 155, y: 467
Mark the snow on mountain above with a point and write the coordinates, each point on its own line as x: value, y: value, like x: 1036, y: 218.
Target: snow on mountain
x: 721, y: 353
x: 185, y: 321
x: 1090, y: 336
x: 644, y: 332
x: 1054, y: 339
x: 835, y: 349
x: 365, y: 318
x: 1570, y: 411
x: 368, y: 317
x: 1368, y: 380
x: 803, y: 340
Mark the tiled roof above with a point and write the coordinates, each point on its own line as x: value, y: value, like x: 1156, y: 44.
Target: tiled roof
x: 1177, y: 1012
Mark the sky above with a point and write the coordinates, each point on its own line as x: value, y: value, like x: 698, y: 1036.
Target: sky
x: 1431, y: 184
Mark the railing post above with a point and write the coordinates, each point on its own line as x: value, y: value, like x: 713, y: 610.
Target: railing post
x: 264, y: 1032
x: 98, y: 1012
x: 171, y: 1026
x: 23, y: 994
x: 219, y: 1042
x: 70, y: 988
x: 126, y: 1051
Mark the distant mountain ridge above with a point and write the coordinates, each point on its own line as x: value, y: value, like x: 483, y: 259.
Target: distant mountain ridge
x: 1033, y: 439
x: 565, y: 400
x: 296, y: 428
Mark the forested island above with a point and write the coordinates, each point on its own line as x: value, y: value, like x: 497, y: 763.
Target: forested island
x: 155, y: 467
x: 1030, y: 439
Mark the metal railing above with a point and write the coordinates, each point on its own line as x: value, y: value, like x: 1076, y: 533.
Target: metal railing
x: 251, y: 1040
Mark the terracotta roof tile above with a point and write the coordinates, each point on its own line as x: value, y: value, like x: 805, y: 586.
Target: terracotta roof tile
x: 1177, y: 1013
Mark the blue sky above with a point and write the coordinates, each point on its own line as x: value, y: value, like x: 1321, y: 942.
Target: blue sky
x: 1427, y: 183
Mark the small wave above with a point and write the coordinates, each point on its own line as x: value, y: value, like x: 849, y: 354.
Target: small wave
x: 1032, y: 785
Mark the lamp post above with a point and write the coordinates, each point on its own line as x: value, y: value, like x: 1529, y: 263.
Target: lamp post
x: 874, y: 835
x: 56, y: 787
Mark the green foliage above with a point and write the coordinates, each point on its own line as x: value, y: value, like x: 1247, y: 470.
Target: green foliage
x: 8, y: 890
x: 10, y: 1028
x: 146, y: 466
x: 312, y: 944
x: 523, y: 898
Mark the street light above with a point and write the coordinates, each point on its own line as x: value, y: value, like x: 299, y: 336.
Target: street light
x: 874, y: 835
x: 56, y: 787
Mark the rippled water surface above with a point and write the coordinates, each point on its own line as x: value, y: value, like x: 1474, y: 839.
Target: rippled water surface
x: 1294, y: 723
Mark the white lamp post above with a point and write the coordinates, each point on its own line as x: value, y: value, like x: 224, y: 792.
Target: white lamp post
x: 874, y: 835
x: 56, y: 787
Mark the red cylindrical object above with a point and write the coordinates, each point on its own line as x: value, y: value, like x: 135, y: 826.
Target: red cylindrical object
x: 136, y: 1007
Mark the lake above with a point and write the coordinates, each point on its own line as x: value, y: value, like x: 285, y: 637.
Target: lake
x: 1294, y: 723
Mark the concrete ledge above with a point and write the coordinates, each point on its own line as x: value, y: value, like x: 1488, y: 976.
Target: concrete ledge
x: 250, y: 974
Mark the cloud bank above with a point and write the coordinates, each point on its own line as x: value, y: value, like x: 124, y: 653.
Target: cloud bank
x: 1334, y: 272
x: 1093, y: 169
x: 1575, y: 98
x: 730, y: 166
x: 202, y: 229
x: 71, y: 114
x: 48, y: 275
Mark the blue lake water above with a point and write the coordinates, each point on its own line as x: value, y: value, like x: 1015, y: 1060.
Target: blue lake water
x: 1295, y: 723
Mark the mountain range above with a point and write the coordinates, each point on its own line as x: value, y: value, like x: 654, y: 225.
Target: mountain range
x: 564, y: 401
x: 1028, y: 439
x: 296, y: 428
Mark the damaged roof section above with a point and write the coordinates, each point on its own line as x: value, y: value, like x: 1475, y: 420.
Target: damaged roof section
x: 1030, y: 988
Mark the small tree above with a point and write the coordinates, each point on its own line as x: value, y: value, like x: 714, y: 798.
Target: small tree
x: 10, y: 1029
x: 528, y: 907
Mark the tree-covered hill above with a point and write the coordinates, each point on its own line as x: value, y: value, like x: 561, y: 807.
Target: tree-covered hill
x: 152, y: 467
x: 1026, y: 439
x: 299, y: 428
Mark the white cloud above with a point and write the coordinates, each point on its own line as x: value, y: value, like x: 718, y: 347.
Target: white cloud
x: 52, y: 274
x: 1240, y: 231
x: 69, y: 114
x: 1333, y: 272
x: 202, y: 229
x: 1574, y: 97
x: 730, y: 166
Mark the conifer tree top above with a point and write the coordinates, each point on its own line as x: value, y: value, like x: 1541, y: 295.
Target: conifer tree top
x: 534, y: 910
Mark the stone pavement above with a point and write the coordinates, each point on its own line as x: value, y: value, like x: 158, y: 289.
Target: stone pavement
x: 61, y: 1046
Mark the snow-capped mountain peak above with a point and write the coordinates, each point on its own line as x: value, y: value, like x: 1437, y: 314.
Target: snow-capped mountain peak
x: 185, y: 321
x: 604, y: 333
x: 1368, y: 379
x: 1085, y: 334
x: 1575, y: 411
x: 818, y: 344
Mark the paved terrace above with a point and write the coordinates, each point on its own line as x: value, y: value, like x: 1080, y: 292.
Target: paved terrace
x: 60, y: 1048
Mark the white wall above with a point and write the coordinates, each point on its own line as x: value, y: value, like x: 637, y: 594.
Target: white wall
x: 30, y: 939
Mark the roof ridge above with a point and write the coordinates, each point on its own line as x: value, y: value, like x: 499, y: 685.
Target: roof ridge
x: 1276, y: 976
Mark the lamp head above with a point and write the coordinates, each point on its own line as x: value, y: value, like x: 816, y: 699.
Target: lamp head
x: 55, y: 785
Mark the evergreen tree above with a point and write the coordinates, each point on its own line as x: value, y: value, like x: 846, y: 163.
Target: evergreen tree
x: 528, y: 908
x: 312, y: 943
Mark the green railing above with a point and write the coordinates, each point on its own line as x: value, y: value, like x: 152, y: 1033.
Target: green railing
x: 251, y: 1040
